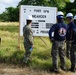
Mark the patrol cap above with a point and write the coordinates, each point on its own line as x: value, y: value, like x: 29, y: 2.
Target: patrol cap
x: 75, y: 17
x: 60, y: 15
x: 29, y: 17
x: 69, y: 15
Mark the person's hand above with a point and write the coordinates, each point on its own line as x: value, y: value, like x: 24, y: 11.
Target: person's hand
x: 32, y: 46
x: 68, y: 55
x: 70, y: 42
x: 52, y: 40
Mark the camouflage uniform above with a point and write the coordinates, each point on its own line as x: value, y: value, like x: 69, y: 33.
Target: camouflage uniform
x: 73, y: 56
x: 58, y: 47
x: 69, y: 38
x: 73, y: 49
x: 68, y: 47
x: 28, y: 41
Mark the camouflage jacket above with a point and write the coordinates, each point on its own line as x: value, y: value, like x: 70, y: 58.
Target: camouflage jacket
x: 28, y: 35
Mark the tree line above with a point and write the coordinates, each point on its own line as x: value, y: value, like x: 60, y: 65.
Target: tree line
x: 12, y: 14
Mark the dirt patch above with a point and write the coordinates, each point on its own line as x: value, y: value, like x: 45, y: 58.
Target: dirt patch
x: 16, y: 70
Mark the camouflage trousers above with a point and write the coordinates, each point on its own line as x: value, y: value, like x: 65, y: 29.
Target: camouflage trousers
x: 58, y: 48
x: 27, y: 53
x: 68, y: 48
x: 73, y: 56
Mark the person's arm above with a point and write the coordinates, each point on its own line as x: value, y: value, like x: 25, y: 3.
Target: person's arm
x: 51, y: 33
x: 67, y: 33
x: 24, y: 31
x: 30, y: 37
x: 71, y: 32
x: 72, y: 35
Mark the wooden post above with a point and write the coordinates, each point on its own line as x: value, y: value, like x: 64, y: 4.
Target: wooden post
x: 19, y: 39
x: 0, y: 40
x: 43, y: 41
x: 19, y: 31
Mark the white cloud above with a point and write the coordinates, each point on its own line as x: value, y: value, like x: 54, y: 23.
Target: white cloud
x: 7, y: 3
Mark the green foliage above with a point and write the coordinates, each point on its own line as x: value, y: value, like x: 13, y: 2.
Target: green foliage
x: 34, y: 2
x: 9, y: 28
x: 53, y: 3
x: 70, y: 7
x: 4, y: 17
x: 11, y: 14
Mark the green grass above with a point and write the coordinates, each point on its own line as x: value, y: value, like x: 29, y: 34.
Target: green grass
x: 10, y: 53
x: 9, y: 28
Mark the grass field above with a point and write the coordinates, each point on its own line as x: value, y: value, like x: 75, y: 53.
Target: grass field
x: 11, y: 54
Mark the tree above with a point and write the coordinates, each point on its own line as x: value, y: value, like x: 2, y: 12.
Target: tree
x: 53, y: 3
x: 12, y: 13
x: 34, y: 2
x: 70, y: 7
x: 4, y: 17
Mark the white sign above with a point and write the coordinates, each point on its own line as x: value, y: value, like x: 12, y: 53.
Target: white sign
x: 43, y: 19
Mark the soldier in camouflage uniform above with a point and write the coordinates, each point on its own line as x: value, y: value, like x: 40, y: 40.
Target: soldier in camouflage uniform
x: 69, y: 19
x: 73, y: 47
x: 28, y: 39
x: 57, y: 34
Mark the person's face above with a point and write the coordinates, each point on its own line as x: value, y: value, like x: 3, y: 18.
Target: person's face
x: 68, y: 20
x: 31, y: 23
x: 75, y: 21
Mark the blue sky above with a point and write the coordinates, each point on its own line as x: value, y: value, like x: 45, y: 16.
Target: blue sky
x: 7, y: 3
